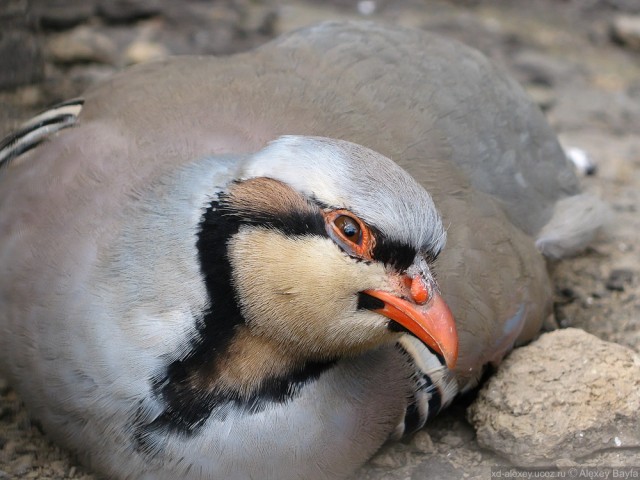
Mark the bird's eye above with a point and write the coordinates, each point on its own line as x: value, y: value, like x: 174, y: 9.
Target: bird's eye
x: 349, y: 228
x: 350, y: 233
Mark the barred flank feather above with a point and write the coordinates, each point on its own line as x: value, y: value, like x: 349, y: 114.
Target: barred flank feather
x: 35, y: 131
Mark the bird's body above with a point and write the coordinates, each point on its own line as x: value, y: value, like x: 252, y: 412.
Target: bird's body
x: 168, y: 257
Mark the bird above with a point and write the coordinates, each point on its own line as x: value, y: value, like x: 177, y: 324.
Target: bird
x: 267, y: 265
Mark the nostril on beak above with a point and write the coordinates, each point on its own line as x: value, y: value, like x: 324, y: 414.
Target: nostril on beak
x: 419, y: 290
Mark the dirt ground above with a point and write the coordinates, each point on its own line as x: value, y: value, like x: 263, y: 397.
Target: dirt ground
x: 584, y: 76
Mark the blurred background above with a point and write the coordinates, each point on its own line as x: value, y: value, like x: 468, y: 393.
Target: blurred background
x: 578, y: 59
x: 51, y: 50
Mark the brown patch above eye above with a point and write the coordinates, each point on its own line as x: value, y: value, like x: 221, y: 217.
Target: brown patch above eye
x: 258, y: 196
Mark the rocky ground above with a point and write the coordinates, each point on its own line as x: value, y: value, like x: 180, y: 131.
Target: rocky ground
x: 568, y: 400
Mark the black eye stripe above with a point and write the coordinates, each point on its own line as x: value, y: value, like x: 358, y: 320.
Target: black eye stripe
x: 398, y: 255
x: 401, y: 257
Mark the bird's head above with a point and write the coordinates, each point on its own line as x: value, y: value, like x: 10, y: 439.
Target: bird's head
x: 333, y: 249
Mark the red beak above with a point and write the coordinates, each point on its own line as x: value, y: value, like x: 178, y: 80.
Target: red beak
x: 432, y: 323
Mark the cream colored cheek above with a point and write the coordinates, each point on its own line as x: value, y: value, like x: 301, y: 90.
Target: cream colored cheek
x: 302, y: 288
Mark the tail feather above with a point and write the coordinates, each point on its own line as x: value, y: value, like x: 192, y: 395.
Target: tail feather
x: 574, y: 224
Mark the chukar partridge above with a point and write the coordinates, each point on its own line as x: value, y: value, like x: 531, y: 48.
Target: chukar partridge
x: 219, y: 268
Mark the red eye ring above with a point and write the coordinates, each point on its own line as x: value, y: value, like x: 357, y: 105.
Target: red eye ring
x: 359, y: 243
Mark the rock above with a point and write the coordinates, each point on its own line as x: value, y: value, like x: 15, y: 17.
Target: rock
x: 628, y: 6
x: 125, y: 11
x: 625, y: 29
x: 204, y: 28
x: 542, y: 69
x: 76, y: 80
x: 618, y: 278
x: 21, y: 61
x: 142, y: 51
x: 386, y: 459
x: 568, y: 395
x: 61, y: 14
x: 13, y: 11
x: 21, y: 465
x: 367, y: 7
x: 543, y: 96
x: 8, y: 451
x: 452, y: 439
x: 437, y: 468
x: 81, y: 45
x: 422, y: 442
x: 258, y: 18
x: 6, y: 413
x: 59, y: 468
